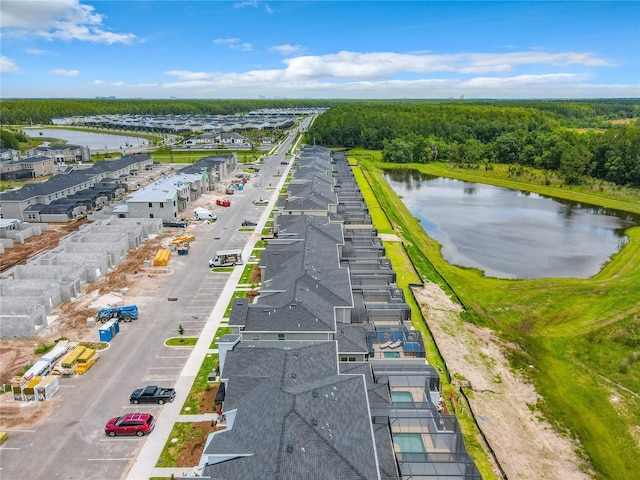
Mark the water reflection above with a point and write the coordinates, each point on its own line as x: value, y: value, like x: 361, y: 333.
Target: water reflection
x: 510, y: 233
x: 95, y: 141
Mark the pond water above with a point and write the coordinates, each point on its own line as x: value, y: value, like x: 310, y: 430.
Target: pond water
x: 510, y: 233
x: 95, y: 141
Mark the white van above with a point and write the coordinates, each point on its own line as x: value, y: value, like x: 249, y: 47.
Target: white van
x: 204, y: 214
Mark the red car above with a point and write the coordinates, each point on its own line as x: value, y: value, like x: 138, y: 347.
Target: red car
x: 130, y: 424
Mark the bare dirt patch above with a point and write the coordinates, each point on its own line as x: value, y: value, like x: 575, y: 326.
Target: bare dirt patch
x: 15, y: 414
x: 190, y: 451
x: 526, y: 446
x: 20, y: 252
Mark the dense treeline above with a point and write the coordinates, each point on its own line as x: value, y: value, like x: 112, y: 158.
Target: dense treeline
x: 519, y: 133
x: 41, y: 111
x: 11, y: 139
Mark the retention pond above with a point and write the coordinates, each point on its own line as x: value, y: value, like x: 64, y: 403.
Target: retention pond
x: 510, y: 233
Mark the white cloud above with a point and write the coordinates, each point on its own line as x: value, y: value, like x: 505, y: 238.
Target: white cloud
x: 66, y: 73
x: 286, y: 49
x: 411, y: 75
x: 356, y: 67
x: 186, y: 75
x: 251, y: 3
x: 7, y: 65
x: 384, y: 65
x: 97, y: 82
x: 37, y: 51
x: 234, y: 44
x: 118, y: 84
x: 57, y: 20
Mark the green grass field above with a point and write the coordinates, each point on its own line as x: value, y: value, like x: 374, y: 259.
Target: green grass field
x: 581, y: 335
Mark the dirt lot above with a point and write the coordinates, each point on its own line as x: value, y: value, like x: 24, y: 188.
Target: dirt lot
x: 526, y: 446
x: 71, y: 317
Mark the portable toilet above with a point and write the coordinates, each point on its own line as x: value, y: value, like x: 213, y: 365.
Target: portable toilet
x: 106, y: 332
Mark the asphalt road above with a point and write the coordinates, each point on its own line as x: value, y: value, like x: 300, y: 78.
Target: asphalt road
x: 70, y: 443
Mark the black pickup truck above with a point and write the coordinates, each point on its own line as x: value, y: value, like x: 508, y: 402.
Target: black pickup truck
x: 152, y: 394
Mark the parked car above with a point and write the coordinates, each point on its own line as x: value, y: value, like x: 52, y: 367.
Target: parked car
x: 152, y: 394
x: 139, y: 424
x: 249, y: 223
x: 260, y: 201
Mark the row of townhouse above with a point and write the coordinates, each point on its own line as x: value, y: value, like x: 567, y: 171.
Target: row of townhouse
x: 40, y: 161
x: 322, y: 374
x: 215, y: 140
x: 169, y: 196
x: 72, y: 193
x: 75, y: 192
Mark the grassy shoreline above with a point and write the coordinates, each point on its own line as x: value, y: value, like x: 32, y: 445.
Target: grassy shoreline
x: 571, y: 330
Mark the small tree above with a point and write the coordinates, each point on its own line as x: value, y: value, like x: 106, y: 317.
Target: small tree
x: 181, y: 332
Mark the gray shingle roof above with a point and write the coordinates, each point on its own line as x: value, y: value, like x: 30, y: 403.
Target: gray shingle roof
x: 314, y: 419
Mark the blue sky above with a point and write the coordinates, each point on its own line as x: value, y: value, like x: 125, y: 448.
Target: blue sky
x: 313, y: 49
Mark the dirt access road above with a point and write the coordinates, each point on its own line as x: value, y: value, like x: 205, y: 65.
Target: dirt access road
x: 526, y: 446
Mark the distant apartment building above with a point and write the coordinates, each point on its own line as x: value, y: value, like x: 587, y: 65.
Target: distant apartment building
x: 62, y: 154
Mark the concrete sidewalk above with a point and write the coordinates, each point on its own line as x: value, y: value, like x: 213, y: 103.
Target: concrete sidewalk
x: 145, y: 464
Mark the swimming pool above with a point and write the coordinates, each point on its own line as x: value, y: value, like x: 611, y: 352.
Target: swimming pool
x: 400, y: 396
x: 409, y: 443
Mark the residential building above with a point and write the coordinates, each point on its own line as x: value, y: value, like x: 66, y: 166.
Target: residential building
x: 63, y: 154
x: 328, y: 297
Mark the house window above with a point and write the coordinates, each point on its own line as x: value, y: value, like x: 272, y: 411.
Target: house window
x: 161, y: 204
x: 281, y: 336
x: 151, y: 215
x: 255, y: 336
x: 150, y: 204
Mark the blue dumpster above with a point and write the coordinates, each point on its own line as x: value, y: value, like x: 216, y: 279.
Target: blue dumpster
x: 240, y: 187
